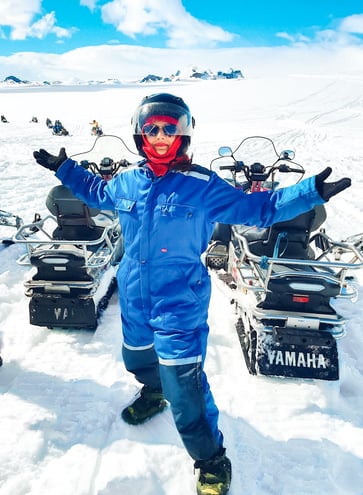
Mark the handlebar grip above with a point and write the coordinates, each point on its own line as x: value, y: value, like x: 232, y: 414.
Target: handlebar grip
x: 285, y: 169
x: 297, y: 170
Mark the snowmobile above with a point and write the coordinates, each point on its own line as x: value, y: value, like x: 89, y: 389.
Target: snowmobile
x: 97, y: 131
x: 58, y: 129
x: 9, y: 221
x: 76, y: 249
x: 282, y: 280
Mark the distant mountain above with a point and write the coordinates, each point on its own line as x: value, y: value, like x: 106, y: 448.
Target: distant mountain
x: 187, y: 74
x: 195, y: 73
x: 12, y: 81
x: 15, y: 81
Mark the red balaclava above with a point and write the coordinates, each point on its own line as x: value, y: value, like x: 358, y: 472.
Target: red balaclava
x: 160, y: 164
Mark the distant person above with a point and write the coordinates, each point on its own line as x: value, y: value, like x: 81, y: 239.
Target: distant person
x: 34, y: 119
x: 167, y: 208
x: 4, y: 119
x: 96, y: 129
x: 57, y: 127
x: 94, y: 125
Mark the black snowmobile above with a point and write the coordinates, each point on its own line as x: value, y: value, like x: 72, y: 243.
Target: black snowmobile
x: 76, y: 249
x: 283, y: 279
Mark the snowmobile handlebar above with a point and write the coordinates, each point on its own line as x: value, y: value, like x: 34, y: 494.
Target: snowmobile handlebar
x: 259, y: 161
x: 236, y: 167
x: 257, y: 169
x: 109, y: 168
x: 284, y: 168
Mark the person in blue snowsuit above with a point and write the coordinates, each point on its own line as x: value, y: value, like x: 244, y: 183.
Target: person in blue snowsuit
x: 168, y: 207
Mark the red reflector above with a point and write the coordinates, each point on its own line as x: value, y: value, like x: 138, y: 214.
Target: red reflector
x: 300, y: 299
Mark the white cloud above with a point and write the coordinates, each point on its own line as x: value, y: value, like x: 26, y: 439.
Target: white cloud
x: 352, y: 24
x: 19, y: 17
x: 41, y: 28
x: 344, y: 34
x: 293, y: 38
x: 148, y: 17
x: 91, y: 4
x: 142, y: 17
x: 129, y: 63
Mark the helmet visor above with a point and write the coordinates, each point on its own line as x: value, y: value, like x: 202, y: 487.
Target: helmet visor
x: 178, y: 121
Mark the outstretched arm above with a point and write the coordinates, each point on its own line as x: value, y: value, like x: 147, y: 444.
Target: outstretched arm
x: 89, y: 188
x: 232, y: 206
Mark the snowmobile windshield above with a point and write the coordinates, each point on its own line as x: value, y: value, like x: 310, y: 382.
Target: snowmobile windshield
x: 180, y: 122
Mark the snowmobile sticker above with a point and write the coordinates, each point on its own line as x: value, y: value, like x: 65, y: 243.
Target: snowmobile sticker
x: 296, y: 353
x: 61, y: 313
x: 296, y: 359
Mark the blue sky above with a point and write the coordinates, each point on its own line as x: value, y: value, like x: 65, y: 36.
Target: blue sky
x: 128, y: 39
x: 57, y: 27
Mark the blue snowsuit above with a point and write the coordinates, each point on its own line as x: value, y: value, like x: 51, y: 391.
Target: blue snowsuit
x: 164, y: 287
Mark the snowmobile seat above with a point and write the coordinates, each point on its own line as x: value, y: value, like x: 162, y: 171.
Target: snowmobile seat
x: 289, y: 239
x: 60, y: 262
x: 76, y: 221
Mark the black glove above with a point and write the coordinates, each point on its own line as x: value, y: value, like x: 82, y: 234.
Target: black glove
x: 49, y: 161
x: 329, y: 189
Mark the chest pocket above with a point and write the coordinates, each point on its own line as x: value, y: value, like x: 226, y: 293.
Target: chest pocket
x: 175, y: 211
x: 125, y: 205
x: 176, y: 225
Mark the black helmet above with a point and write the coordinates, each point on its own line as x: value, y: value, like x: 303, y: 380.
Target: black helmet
x: 163, y: 104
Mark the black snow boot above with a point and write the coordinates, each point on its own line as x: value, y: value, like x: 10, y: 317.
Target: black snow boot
x: 150, y: 403
x: 215, y: 474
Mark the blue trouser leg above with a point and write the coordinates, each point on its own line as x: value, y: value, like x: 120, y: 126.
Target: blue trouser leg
x: 177, y: 326
x: 143, y: 364
x: 192, y: 404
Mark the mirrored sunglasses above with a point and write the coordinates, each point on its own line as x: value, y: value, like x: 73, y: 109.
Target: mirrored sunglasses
x: 153, y: 130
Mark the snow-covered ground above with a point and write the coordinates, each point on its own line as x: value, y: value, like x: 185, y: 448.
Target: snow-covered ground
x: 62, y: 391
